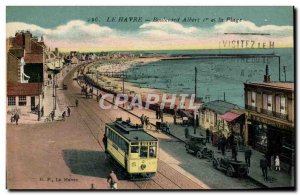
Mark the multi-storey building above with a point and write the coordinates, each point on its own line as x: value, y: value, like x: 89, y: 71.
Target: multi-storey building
x: 270, y: 118
x: 25, y: 73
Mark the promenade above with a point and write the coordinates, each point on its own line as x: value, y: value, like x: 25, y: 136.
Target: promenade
x: 277, y: 179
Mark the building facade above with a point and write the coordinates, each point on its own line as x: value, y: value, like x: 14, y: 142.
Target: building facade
x: 222, y: 118
x: 25, y: 73
x: 270, y: 117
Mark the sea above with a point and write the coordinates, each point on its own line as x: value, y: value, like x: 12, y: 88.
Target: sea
x: 216, y: 78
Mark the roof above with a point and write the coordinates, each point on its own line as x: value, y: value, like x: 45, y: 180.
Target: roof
x: 27, y: 89
x: 31, y: 58
x: 275, y: 85
x: 219, y: 106
x: 132, y: 135
x: 230, y: 116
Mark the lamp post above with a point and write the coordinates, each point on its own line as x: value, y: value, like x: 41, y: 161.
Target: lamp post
x: 39, y: 105
x: 195, y: 100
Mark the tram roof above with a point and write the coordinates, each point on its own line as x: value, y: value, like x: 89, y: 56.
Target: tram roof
x: 133, y: 134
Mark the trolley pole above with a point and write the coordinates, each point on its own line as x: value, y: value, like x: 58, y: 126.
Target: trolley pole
x: 195, y: 99
x: 123, y: 89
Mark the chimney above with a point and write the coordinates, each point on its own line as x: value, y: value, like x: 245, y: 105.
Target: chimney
x: 267, y: 77
x: 28, y: 42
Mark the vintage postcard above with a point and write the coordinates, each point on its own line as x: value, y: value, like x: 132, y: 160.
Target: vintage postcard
x: 150, y: 98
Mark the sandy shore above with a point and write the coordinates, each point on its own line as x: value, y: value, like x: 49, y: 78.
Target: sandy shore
x: 116, y: 84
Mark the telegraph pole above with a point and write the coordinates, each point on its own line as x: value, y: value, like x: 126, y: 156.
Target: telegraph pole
x: 123, y: 89
x: 284, y: 71
x: 195, y: 99
x: 97, y: 84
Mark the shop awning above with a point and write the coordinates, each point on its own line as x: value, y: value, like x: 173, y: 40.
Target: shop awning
x: 230, y: 116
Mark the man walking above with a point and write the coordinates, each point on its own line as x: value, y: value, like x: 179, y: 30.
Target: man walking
x: 112, y: 180
x: 76, y: 103
x: 207, y: 135
x: 69, y: 111
x: 234, y: 152
x: 17, y: 117
x: 264, y: 168
x: 248, y: 154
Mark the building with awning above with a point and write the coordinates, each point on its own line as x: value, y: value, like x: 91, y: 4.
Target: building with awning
x: 222, y: 118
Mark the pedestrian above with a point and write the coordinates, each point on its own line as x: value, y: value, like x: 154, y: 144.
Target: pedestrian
x: 112, y: 180
x: 234, y: 153
x: 248, y: 154
x: 52, y: 115
x: 63, y: 115
x: 174, y: 118
x: 157, y: 112
x: 146, y: 122
x: 277, y: 163
x: 167, y: 128
x: 161, y: 116
x: 69, y: 111
x: 104, y: 140
x: 76, y: 103
x: 264, y: 167
x: 17, y: 117
x: 207, y: 135
x: 186, y: 133
x: 142, y: 120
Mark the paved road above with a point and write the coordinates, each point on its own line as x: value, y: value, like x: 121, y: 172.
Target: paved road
x: 69, y: 155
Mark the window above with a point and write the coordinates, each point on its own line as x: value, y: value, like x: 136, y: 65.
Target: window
x: 22, y: 100
x: 253, y: 99
x: 152, y: 151
x: 280, y: 104
x: 11, y: 100
x: 134, y: 149
x: 267, y: 102
x: 144, y: 151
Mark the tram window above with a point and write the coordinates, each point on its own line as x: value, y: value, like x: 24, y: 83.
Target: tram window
x: 152, y: 151
x: 144, y: 151
x: 134, y: 149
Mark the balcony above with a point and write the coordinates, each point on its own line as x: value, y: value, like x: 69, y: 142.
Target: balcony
x: 253, y: 108
x: 280, y: 115
x: 275, y: 114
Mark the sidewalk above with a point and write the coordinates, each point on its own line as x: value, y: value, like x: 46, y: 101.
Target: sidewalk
x: 277, y: 179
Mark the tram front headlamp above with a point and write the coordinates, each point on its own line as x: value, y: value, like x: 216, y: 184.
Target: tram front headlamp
x: 143, y: 166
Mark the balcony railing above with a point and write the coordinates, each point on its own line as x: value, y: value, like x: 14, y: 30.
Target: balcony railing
x: 275, y: 114
x: 253, y: 108
x: 267, y: 112
x: 281, y: 115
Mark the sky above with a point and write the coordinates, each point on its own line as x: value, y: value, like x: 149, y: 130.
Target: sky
x: 158, y: 28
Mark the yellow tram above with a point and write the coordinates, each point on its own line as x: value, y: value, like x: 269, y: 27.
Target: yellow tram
x: 133, y: 148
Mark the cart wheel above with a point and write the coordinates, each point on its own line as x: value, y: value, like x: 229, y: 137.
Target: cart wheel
x: 229, y: 171
x: 199, y: 154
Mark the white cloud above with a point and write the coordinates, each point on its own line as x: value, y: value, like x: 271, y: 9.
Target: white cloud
x: 169, y: 27
x: 152, y: 35
x: 249, y: 27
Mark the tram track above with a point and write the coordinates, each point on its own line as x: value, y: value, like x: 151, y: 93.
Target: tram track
x: 96, y: 120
